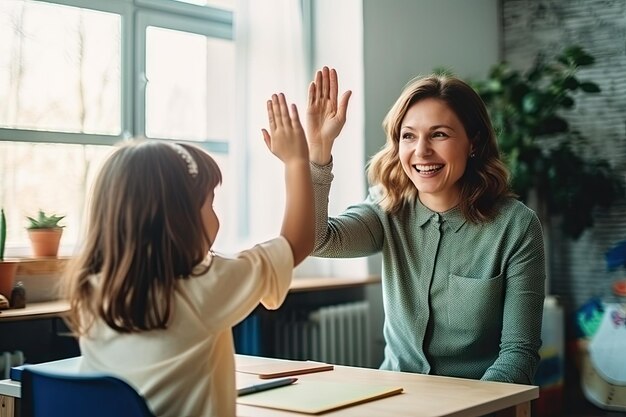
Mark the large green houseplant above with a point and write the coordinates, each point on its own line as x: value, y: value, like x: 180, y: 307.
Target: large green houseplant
x: 545, y: 155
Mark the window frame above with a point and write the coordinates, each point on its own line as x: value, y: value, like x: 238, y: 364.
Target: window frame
x: 135, y: 16
x: 145, y: 18
x: 209, y: 21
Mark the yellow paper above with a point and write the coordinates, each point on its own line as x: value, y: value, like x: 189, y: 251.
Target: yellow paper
x: 315, y: 397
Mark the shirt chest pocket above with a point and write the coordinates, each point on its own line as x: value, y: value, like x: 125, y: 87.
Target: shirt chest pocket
x: 475, y: 304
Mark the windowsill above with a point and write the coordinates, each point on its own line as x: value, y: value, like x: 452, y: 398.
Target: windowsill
x: 58, y: 307
x: 24, y: 251
x: 49, y: 266
x: 41, y: 266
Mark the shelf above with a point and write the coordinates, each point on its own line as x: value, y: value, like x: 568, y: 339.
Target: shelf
x: 34, y: 311
x: 330, y: 283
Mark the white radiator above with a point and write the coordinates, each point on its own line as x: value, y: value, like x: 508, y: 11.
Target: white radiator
x: 338, y: 334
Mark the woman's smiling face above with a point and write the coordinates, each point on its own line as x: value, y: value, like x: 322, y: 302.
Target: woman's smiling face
x: 433, y: 152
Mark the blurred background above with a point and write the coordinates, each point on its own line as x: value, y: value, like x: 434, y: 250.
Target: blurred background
x: 79, y: 76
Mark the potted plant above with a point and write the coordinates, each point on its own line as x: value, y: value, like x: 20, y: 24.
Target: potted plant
x: 8, y: 268
x: 45, y: 233
x: 549, y: 160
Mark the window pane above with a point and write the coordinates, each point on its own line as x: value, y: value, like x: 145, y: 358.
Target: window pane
x: 51, y: 177
x: 58, y: 177
x: 59, y: 68
x: 191, y: 86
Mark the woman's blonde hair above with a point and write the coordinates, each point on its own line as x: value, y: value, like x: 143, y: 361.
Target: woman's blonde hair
x: 485, y: 180
x: 145, y: 231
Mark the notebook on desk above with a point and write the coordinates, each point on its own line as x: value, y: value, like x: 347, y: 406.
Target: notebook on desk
x: 316, y: 397
x: 69, y: 365
x: 282, y: 368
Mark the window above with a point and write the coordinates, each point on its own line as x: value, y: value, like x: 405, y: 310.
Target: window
x: 187, y: 84
x: 60, y: 70
x: 78, y: 76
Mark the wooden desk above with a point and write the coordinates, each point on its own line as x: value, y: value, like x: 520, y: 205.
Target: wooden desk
x: 423, y: 396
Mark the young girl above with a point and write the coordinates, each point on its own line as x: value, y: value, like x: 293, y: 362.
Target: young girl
x: 150, y: 303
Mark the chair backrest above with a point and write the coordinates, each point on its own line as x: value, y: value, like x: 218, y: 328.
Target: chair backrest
x: 48, y: 394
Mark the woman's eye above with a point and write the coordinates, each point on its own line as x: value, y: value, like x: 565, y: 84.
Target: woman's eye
x: 440, y: 135
x: 406, y: 136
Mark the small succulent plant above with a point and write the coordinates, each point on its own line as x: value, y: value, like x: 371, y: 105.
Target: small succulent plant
x: 44, y: 221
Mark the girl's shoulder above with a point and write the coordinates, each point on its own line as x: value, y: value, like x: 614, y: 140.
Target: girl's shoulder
x: 272, y: 251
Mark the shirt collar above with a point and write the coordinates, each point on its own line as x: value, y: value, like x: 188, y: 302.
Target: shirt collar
x: 452, y: 218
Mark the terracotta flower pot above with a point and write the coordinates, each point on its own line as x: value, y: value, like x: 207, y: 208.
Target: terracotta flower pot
x: 45, y: 242
x: 8, y: 270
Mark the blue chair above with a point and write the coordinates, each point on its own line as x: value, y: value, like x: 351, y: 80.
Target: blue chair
x: 48, y: 394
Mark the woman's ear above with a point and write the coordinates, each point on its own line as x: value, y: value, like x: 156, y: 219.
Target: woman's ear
x: 473, y: 143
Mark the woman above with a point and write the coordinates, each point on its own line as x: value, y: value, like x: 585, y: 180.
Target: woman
x: 463, y: 260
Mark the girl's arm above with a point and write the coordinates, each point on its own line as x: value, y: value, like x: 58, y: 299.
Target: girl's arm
x: 287, y: 141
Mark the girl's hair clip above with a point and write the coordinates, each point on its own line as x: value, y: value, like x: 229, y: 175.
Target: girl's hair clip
x: 192, y: 166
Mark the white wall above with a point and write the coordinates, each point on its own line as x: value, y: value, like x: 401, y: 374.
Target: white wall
x: 389, y: 43
x: 338, y: 41
x: 406, y: 38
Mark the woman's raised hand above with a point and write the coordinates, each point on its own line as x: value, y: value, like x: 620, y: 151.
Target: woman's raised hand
x: 285, y: 138
x: 325, y: 115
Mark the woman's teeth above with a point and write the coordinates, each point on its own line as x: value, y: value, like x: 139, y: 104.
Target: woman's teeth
x: 427, y: 168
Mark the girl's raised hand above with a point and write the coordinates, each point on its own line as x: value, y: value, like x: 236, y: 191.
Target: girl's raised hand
x: 325, y: 115
x: 285, y: 138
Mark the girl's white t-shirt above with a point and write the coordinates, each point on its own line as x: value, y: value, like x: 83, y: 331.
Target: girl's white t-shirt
x: 188, y: 369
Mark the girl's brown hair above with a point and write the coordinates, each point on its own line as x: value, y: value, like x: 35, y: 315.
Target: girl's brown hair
x: 485, y: 180
x: 145, y: 231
